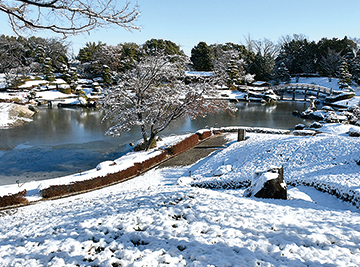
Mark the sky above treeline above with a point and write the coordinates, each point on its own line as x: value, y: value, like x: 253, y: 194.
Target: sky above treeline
x: 187, y: 22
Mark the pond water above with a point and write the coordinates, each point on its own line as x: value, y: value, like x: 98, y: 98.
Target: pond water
x: 59, y: 142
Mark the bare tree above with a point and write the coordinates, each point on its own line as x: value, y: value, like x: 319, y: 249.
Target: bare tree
x: 264, y: 61
x: 68, y: 17
x: 265, y: 47
x: 285, y: 39
x: 152, y: 95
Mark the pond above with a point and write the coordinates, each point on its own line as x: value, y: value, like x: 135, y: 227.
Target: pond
x: 59, y: 142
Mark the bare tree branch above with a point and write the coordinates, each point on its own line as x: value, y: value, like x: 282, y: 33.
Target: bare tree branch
x: 68, y: 17
x: 153, y: 94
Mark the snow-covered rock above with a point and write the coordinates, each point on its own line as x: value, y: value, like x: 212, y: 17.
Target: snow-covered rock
x: 14, y: 115
x: 268, y: 184
x: 222, y: 170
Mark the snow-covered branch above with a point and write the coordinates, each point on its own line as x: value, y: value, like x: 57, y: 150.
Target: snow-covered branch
x: 153, y: 94
x: 68, y: 17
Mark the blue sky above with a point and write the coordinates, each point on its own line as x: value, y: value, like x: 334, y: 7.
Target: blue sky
x: 187, y: 22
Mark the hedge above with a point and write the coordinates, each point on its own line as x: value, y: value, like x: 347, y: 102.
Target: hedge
x: 204, y: 134
x: 142, y: 166
x: 79, y: 186
x: 187, y: 143
x: 13, y: 199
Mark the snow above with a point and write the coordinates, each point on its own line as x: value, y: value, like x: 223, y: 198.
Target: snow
x: 53, y: 95
x: 231, y: 94
x: 349, y: 102
x: 3, y: 82
x: 102, y: 169
x: 5, y: 119
x: 158, y: 219
x: 41, y: 82
x: 322, y: 81
x: 197, y: 215
x: 259, y: 179
x: 338, y: 128
x: 199, y: 73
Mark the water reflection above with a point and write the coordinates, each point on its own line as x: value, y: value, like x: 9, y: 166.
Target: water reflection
x: 62, y: 141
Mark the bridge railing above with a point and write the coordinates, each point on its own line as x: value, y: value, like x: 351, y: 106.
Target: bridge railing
x: 303, y: 86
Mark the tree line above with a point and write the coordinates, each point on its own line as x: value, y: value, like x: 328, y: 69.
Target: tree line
x: 292, y: 56
x: 233, y: 64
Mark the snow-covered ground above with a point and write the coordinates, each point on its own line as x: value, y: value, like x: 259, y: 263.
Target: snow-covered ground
x: 158, y: 219
x: 33, y: 188
x: 322, y: 81
x: 5, y: 119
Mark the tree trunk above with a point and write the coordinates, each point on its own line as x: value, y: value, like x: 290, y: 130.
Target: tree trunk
x: 151, y: 142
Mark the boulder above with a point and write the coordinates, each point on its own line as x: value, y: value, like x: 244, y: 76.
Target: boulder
x: 304, y: 132
x: 268, y: 184
x: 33, y: 108
x: 315, y: 125
x: 300, y: 127
x: 296, y: 112
x: 354, y: 132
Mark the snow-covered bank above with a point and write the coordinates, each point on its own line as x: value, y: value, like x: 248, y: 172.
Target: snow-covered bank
x: 321, y: 81
x: 152, y: 221
x: 33, y: 188
x: 326, y: 161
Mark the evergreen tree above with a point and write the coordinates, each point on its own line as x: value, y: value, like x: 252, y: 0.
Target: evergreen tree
x: 262, y: 67
x: 329, y: 63
x: 86, y: 54
x: 344, y: 76
x: 48, y: 70
x: 202, y: 58
x: 158, y: 45
x: 70, y: 75
x: 356, y: 69
x: 106, y: 74
x: 234, y: 72
x: 282, y: 73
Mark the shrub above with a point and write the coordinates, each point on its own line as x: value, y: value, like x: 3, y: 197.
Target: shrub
x: 142, y: 166
x: 13, y: 199
x: 187, y: 143
x: 203, y: 134
x: 65, y: 90
x: 79, y: 186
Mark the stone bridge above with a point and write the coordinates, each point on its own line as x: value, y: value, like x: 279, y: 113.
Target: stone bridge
x: 306, y: 89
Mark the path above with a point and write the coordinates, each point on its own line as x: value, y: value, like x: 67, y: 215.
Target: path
x: 201, y: 150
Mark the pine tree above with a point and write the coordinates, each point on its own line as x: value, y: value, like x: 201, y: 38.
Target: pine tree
x: 356, y: 69
x: 106, y: 74
x: 48, y: 70
x: 282, y: 73
x: 235, y: 71
x: 202, y: 58
x: 344, y: 76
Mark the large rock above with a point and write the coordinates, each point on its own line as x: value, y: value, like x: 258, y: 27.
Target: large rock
x: 268, y: 184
